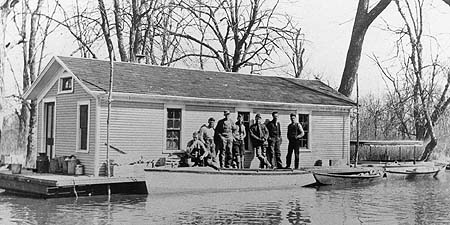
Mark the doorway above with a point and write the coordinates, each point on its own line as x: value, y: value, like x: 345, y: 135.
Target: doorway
x: 49, y: 129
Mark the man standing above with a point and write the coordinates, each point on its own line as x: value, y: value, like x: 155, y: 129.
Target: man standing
x: 224, y: 131
x: 238, y: 143
x: 207, y: 137
x: 259, y: 135
x: 295, y: 132
x: 274, y: 141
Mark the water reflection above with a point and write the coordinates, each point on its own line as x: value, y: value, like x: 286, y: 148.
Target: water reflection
x: 388, y: 202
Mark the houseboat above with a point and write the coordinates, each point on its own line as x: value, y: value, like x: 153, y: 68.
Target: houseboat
x: 155, y: 109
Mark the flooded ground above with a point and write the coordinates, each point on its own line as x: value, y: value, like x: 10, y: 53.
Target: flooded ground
x: 388, y: 202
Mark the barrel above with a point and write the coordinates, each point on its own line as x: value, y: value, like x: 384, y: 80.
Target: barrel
x: 54, y: 166
x: 42, y: 163
x: 79, y: 169
x: 71, y: 164
x: 64, y: 164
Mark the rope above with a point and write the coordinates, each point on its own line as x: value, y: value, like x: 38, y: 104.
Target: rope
x: 74, y: 189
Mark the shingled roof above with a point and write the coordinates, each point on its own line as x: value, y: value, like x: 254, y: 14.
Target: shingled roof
x: 169, y: 81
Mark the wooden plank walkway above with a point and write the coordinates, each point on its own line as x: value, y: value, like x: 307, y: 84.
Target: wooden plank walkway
x: 54, y: 185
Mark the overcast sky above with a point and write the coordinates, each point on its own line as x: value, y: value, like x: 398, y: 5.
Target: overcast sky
x: 327, y: 26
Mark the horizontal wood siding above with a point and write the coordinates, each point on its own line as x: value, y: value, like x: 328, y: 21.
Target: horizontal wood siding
x: 136, y: 129
x: 66, y: 126
x: 330, y: 136
x: 53, y: 92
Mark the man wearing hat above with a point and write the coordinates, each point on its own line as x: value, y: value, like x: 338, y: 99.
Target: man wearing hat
x: 259, y: 134
x: 224, y: 133
x: 238, y: 143
x: 273, y: 151
x: 295, y: 132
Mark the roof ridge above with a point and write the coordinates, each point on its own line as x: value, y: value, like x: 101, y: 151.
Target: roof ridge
x: 178, y: 68
x: 315, y: 90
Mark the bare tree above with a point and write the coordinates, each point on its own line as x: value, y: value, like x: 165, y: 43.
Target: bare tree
x: 83, y: 24
x: 421, y: 99
x: 236, y: 33
x: 292, y: 45
x: 363, y: 19
x: 6, y: 7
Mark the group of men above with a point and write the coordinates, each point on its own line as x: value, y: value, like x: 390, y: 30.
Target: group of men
x: 225, y: 142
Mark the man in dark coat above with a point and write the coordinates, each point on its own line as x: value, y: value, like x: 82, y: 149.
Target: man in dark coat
x: 295, y: 132
x: 259, y: 134
x: 273, y: 151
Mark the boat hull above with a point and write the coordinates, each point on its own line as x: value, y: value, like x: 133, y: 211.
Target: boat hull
x: 345, y: 179
x: 183, y: 180
x: 413, y: 172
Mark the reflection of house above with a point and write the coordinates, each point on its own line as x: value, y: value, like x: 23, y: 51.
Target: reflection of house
x: 156, y: 109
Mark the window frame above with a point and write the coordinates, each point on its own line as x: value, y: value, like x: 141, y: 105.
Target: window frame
x: 78, y: 134
x: 60, y: 85
x: 165, y: 129
x: 308, y: 132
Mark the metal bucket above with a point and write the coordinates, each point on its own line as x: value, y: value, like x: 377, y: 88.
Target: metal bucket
x: 16, y: 168
x: 79, y: 169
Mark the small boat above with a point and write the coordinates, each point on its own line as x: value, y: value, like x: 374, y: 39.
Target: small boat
x: 347, y: 178
x: 413, y: 172
x: 205, y: 179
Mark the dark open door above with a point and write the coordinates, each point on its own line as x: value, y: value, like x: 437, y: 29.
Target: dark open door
x: 248, y: 156
x: 49, y: 128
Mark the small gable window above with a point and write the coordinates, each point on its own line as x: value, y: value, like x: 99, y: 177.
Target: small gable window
x: 66, y: 85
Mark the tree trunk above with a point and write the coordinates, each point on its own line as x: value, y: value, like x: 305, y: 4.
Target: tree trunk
x: 363, y: 20
x: 119, y: 31
x: 352, y: 60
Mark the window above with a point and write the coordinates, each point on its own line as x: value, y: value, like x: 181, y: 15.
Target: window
x: 173, y: 135
x: 83, y: 127
x: 66, y: 85
x: 303, y: 119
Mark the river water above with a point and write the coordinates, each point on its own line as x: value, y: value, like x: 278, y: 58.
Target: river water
x: 425, y: 201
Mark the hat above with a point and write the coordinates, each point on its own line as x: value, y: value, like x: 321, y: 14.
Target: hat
x: 293, y: 114
x: 211, y: 119
x: 226, y: 112
x: 258, y: 115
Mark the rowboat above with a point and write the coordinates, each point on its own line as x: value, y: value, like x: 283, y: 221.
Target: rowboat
x: 347, y: 178
x: 204, y: 179
x: 413, y: 172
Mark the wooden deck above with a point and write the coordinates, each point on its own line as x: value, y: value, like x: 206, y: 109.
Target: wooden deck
x: 53, y: 185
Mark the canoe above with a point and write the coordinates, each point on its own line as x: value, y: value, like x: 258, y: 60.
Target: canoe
x: 204, y: 179
x: 413, y: 172
x: 331, y: 178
